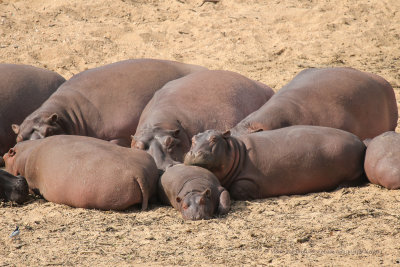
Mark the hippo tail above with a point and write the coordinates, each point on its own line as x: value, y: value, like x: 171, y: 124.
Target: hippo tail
x: 144, y: 188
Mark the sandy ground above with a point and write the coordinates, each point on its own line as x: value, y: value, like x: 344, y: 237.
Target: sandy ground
x: 269, y: 41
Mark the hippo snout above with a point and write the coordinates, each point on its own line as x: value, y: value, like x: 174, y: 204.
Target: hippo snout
x: 198, y: 157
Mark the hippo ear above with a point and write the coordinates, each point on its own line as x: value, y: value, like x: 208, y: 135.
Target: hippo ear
x: 169, y: 141
x: 11, y: 152
x: 53, y: 118
x: 226, y: 134
x: 207, y: 193
x: 15, y: 128
x: 178, y: 199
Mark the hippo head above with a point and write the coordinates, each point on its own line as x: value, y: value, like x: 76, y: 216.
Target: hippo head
x: 166, y: 146
x: 37, y: 126
x: 196, y: 205
x: 209, y: 150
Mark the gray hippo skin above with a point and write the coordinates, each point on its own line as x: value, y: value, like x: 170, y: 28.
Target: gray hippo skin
x: 13, y: 188
x: 193, y: 191
x: 211, y: 99
x: 104, y: 102
x: 287, y: 161
x: 382, y: 160
x: 358, y: 102
x: 23, y: 89
x: 84, y: 172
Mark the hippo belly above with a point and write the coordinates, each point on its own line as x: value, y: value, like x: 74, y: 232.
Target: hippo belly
x: 84, y: 172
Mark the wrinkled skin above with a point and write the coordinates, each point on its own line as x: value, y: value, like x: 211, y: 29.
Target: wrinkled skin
x: 382, y: 160
x: 104, y: 102
x: 71, y: 170
x: 23, y: 89
x: 344, y: 98
x: 193, y: 191
x: 192, y: 104
x: 291, y: 160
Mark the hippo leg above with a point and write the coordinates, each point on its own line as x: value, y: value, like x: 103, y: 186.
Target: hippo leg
x: 224, y: 201
x: 13, y: 188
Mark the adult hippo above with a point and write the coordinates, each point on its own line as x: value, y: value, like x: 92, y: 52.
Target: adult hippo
x: 23, y: 89
x: 212, y: 99
x: 84, y: 172
x: 358, y: 102
x: 104, y: 102
x: 193, y: 191
x: 382, y: 160
x: 292, y: 160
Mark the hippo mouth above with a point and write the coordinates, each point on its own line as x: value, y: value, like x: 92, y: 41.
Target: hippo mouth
x: 200, y: 159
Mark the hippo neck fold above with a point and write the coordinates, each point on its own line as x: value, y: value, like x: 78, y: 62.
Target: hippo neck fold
x: 238, y: 154
x: 70, y: 105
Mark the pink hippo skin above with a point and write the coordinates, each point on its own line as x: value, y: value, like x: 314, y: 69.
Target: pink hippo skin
x: 211, y: 99
x: 193, y: 191
x: 104, y: 102
x: 84, y: 172
x: 382, y: 160
x: 358, y: 102
x: 287, y: 161
x: 23, y: 89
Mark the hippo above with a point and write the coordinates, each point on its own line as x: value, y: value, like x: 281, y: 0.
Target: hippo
x: 292, y: 160
x: 84, y: 172
x: 382, y: 160
x: 193, y: 191
x: 358, y: 102
x: 23, y: 89
x: 211, y: 99
x: 104, y: 102
x: 13, y: 188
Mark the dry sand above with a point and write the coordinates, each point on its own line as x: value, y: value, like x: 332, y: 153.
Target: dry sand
x: 269, y: 41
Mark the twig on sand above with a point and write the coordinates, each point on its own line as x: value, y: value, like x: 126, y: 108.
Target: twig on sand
x: 212, y: 1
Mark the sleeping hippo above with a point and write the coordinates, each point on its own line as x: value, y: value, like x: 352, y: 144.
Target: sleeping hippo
x: 23, y: 89
x: 13, y: 188
x: 291, y: 160
x: 382, y: 160
x: 193, y: 191
x: 104, y: 102
x: 211, y: 99
x: 84, y: 172
x: 358, y: 102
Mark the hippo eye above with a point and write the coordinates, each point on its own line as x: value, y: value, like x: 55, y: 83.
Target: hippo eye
x: 140, y: 145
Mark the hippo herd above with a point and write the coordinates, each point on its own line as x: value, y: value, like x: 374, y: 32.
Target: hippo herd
x: 148, y: 130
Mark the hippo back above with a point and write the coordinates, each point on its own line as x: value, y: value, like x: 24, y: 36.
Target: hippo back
x: 23, y: 89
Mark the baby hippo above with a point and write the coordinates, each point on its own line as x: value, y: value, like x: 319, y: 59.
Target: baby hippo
x: 193, y: 191
x: 13, y: 188
x: 382, y: 160
x: 84, y: 172
x: 292, y: 160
